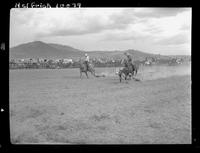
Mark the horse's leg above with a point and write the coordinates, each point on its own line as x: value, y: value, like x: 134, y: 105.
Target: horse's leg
x: 81, y: 74
x: 127, y: 76
x: 86, y: 74
x: 130, y: 75
x: 120, y: 77
x: 126, y: 79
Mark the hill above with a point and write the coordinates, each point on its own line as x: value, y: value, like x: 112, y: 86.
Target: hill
x: 39, y: 49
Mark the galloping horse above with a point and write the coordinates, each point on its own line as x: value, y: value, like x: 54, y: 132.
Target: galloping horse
x: 83, y: 68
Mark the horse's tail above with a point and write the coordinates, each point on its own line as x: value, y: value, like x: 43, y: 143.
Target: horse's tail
x: 120, y: 75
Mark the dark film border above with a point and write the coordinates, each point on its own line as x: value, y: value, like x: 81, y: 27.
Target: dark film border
x: 5, y: 144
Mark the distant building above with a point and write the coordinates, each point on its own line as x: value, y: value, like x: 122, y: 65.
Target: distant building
x: 33, y: 60
x: 21, y: 60
x: 58, y: 60
x: 66, y: 61
x: 41, y: 60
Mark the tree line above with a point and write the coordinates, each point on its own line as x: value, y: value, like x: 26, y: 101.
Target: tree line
x: 57, y: 64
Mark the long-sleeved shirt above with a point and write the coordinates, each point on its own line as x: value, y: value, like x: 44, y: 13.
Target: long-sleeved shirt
x: 87, y: 58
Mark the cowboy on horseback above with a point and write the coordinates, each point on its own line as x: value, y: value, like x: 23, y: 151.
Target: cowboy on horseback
x: 86, y: 61
x: 86, y: 66
x: 128, y: 62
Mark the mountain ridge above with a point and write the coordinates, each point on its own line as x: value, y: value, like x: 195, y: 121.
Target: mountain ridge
x: 39, y: 49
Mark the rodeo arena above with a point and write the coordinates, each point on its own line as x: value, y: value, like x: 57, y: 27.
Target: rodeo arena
x: 99, y: 101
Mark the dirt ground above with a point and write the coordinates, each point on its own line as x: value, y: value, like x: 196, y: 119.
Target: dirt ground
x: 56, y: 106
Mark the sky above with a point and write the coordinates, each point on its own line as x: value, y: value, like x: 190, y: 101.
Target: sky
x: 165, y: 31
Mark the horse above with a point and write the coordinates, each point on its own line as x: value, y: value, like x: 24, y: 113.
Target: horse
x: 133, y: 67
x: 83, y: 68
x: 124, y: 72
x: 128, y: 72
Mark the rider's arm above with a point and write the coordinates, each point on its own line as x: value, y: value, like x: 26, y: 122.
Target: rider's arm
x: 87, y: 58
